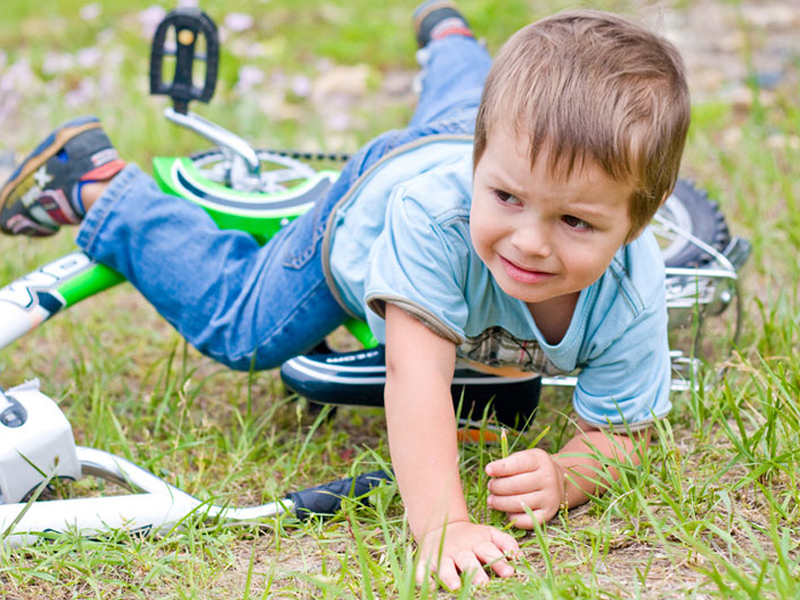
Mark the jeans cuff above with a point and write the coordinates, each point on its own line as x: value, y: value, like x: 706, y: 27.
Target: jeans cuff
x: 98, y: 214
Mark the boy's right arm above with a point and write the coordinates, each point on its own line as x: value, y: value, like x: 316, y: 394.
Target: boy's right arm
x: 422, y: 441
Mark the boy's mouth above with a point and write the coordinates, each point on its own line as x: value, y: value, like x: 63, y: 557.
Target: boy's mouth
x: 522, y: 274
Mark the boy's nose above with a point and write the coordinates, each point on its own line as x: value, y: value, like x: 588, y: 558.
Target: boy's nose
x: 532, y: 238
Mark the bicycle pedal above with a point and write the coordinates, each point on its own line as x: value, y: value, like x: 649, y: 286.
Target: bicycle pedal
x: 190, y: 25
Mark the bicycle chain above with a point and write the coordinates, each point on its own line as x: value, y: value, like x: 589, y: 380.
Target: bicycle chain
x: 303, y: 155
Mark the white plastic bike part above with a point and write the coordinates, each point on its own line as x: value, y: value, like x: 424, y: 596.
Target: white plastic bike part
x: 32, y: 299
x: 36, y: 443
x: 159, y: 506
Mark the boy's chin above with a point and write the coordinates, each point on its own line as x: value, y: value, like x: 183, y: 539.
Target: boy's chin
x: 528, y: 293
x: 532, y: 294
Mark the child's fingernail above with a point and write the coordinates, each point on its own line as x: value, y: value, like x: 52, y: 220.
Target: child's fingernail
x: 490, y: 500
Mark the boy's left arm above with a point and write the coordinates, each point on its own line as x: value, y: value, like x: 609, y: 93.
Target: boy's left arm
x: 624, y: 378
x: 544, y: 483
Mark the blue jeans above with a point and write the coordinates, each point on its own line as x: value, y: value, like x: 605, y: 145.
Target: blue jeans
x: 243, y: 304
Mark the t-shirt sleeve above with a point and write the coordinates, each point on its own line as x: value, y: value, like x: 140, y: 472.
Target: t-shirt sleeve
x: 417, y: 263
x: 627, y: 384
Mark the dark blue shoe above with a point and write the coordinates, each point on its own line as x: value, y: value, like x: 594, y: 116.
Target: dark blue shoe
x: 436, y: 19
x: 44, y: 191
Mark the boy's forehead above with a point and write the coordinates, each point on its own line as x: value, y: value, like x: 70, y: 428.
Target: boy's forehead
x: 513, y: 150
x: 514, y: 147
x: 510, y: 166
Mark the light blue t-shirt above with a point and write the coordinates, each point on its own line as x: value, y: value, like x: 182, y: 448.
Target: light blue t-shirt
x: 402, y: 236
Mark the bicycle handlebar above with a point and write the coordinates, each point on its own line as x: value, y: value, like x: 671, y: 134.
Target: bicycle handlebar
x: 160, y: 505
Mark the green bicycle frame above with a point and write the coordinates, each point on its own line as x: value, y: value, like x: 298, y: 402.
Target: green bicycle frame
x: 36, y: 297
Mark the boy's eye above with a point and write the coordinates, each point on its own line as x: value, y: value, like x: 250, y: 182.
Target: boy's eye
x: 575, y: 222
x: 505, y: 197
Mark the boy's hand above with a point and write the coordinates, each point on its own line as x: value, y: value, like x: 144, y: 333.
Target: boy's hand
x: 529, y: 478
x: 467, y: 547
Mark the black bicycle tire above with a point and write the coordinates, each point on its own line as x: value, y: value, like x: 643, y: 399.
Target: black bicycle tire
x: 703, y: 220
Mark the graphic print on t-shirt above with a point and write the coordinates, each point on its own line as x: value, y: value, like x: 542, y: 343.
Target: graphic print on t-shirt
x: 496, y: 351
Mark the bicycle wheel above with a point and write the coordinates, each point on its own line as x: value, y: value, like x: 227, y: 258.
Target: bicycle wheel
x: 690, y: 210
x: 278, y: 172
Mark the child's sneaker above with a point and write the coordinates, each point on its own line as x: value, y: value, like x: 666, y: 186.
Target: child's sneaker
x: 44, y: 192
x: 436, y: 19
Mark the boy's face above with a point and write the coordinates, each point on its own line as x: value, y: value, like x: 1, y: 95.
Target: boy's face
x: 540, y: 236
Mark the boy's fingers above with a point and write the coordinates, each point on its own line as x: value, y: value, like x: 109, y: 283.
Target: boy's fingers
x: 424, y: 573
x: 523, y: 520
x: 423, y: 570
x: 468, y: 563
x: 506, y: 542
x: 491, y: 554
x: 516, y: 503
x: 446, y: 573
x: 521, y: 483
x: 519, y: 462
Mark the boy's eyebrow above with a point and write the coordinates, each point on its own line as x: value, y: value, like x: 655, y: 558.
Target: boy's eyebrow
x: 592, y: 210
x: 502, y: 181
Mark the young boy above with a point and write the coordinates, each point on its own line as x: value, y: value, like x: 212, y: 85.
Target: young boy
x: 524, y: 251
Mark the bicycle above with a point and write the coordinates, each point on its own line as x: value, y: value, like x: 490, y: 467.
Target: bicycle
x: 260, y: 191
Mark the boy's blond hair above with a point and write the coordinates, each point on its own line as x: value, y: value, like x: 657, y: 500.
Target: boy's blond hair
x: 591, y: 86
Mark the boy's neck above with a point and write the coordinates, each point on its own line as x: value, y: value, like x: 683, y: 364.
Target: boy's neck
x: 553, y: 316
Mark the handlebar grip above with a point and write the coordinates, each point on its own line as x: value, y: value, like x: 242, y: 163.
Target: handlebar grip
x: 326, y: 499
x: 189, y: 24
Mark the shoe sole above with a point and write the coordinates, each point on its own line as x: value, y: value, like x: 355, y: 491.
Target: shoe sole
x: 46, y: 150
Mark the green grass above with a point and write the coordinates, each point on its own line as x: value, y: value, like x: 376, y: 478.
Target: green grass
x: 713, y: 511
